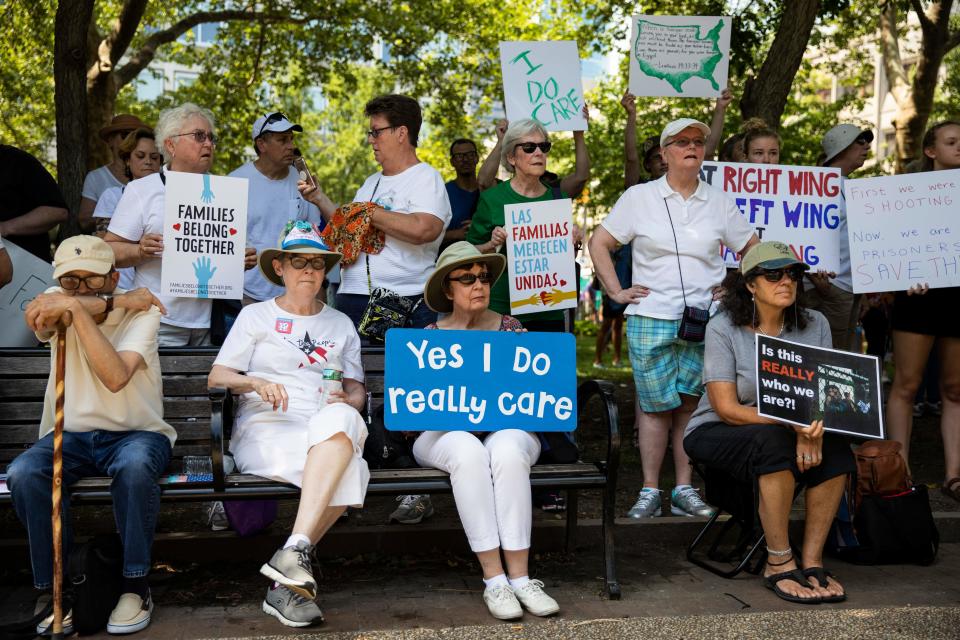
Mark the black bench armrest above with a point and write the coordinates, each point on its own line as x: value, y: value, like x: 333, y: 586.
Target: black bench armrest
x: 221, y: 423
x: 611, y: 419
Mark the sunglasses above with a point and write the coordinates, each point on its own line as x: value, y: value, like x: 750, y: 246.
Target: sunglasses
x: 530, y: 147
x: 683, y: 143
x: 300, y: 262
x: 199, y: 136
x: 469, y: 278
x: 72, y: 283
x: 776, y: 275
x: 467, y: 155
x: 276, y: 116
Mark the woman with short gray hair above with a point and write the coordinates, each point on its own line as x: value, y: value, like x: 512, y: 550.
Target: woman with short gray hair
x: 516, y: 132
x: 172, y: 122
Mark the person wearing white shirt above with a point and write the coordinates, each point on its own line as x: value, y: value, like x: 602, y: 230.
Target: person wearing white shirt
x: 676, y: 225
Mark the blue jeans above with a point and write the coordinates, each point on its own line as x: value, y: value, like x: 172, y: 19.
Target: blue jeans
x: 354, y: 304
x: 133, y: 459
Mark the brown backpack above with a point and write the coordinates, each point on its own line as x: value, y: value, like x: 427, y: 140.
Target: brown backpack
x: 881, y: 470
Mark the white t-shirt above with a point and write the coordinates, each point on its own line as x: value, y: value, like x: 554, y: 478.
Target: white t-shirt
x: 270, y: 203
x: 844, y: 279
x: 401, y: 266
x: 701, y: 222
x: 98, y: 181
x: 270, y: 343
x: 106, y: 205
x: 88, y: 404
x: 140, y: 211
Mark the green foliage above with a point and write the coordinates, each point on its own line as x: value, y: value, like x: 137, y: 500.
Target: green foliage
x: 585, y: 328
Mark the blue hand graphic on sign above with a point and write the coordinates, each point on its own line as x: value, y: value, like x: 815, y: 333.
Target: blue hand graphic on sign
x: 207, y: 195
x: 204, y: 274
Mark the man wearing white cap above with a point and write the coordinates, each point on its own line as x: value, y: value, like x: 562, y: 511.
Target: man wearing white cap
x: 273, y: 198
x: 676, y: 225
x: 845, y: 147
x: 113, y: 418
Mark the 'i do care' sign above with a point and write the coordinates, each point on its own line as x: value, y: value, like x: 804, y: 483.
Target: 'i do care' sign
x: 204, y: 236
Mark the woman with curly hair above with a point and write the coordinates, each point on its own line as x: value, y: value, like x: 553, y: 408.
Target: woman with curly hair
x: 761, y: 144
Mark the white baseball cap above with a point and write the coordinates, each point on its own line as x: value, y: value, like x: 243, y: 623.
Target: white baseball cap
x: 677, y: 126
x: 276, y: 122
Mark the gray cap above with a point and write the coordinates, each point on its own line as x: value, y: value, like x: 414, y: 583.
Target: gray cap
x: 840, y: 137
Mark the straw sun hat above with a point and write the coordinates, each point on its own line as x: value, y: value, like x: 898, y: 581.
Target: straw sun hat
x: 459, y: 254
x: 298, y: 236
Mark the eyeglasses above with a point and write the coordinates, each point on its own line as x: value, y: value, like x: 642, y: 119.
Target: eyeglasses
x: 466, y: 155
x: 300, y: 262
x: 72, y: 283
x: 375, y: 133
x: 199, y: 136
x: 530, y: 147
x: 469, y: 278
x: 683, y: 143
x: 776, y: 275
x: 276, y: 116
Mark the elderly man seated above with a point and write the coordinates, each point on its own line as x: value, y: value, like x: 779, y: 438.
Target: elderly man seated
x: 113, y: 418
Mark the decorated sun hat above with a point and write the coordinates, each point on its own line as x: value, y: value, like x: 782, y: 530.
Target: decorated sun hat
x: 459, y: 254
x: 769, y: 255
x: 298, y: 236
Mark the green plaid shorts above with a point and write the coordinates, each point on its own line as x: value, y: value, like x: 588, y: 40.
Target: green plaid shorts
x: 663, y: 365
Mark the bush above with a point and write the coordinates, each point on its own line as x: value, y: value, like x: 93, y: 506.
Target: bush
x: 585, y: 328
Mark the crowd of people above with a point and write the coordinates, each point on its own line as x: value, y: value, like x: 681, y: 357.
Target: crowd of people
x: 438, y: 249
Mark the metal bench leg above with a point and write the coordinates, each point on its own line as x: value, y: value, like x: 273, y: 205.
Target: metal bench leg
x: 609, y: 545
x: 572, y: 509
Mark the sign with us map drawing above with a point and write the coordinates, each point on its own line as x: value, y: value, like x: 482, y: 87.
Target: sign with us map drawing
x: 204, y: 236
x: 679, y: 56
x: 540, y: 256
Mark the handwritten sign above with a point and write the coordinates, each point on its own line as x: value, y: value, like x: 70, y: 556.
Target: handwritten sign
x: 679, y: 56
x: 480, y: 381
x: 801, y: 206
x: 540, y: 256
x: 204, y: 236
x: 31, y: 277
x: 541, y: 80
x: 904, y: 231
x: 799, y: 383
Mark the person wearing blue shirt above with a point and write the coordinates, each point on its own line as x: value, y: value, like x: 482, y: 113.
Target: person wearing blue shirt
x: 464, y: 191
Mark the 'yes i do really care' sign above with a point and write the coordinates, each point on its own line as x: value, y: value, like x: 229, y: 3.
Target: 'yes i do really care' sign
x: 204, y: 236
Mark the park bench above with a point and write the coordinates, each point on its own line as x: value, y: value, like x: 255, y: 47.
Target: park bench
x: 203, y: 420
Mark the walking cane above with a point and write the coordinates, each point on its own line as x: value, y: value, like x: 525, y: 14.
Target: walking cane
x: 57, y: 628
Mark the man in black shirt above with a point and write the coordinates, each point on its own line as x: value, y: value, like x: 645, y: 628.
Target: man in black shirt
x: 30, y: 202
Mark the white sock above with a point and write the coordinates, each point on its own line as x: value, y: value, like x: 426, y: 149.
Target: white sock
x: 519, y: 583
x: 497, y: 581
x: 294, y: 539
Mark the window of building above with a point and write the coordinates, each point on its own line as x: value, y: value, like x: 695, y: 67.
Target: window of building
x: 149, y: 85
x: 184, y: 78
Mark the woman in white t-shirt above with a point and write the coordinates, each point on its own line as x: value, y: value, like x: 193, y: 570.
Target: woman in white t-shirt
x: 279, y: 356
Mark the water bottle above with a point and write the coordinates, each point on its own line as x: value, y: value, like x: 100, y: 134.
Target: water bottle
x: 332, y: 378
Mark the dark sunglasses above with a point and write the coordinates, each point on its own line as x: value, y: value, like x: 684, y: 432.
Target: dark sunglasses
x: 466, y: 155
x: 530, y: 147
x: 199, y: 136
x: 276, y: 116
x: 776, y: 275
x: 469, y: 278
x: 300, y: 262
x: 72, y: 283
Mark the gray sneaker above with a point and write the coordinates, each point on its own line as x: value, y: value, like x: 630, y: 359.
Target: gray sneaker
x: 217, y: 516
x: 291, y: 567
x: 647, y: 504
x: 687, y: 502
x: 412, y: 509
x: 291, y: 608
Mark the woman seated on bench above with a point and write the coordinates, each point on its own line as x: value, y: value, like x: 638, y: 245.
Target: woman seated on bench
x: 489, y: 472
x: 726, y: 433
x: 287, y: 429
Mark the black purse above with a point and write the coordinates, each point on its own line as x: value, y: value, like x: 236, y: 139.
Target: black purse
x: 693, y: 323
x: 385, y: 310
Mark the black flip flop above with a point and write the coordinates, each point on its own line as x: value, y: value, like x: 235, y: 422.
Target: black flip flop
x: 796, y: 576
x: 821, y: 575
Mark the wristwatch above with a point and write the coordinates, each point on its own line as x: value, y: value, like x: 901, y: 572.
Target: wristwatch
x: 108, y: 300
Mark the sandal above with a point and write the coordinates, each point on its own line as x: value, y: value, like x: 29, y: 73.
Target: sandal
x: 951, y: 488
x: 796, y: 576
x: 821, y: 575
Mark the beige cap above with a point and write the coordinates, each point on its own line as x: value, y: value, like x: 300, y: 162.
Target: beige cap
x: 83, y: 253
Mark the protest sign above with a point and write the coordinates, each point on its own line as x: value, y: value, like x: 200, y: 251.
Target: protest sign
x: 31, y: 277
x: 540, y: 255
x: 480, y: 381
x: 679, y: 56
x: 204, y: 236
x: 799, y: 383
x: 801, y: 206
x: 541, y: 80
x: 903, y: 231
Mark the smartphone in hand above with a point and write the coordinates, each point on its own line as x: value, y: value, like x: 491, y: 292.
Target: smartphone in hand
x: 301, y: 166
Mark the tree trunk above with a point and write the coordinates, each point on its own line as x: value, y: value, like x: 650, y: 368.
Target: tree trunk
x: 765, y: 95
x: 70, y: 77
x: 101, y: 99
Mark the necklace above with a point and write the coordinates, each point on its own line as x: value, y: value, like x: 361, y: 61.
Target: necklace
x: 783, y: 322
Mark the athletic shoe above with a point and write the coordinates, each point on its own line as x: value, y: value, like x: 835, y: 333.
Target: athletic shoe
x: 291, y: 567
x: 918, y: 409
x: 412, y: 509
x: 44, y: 627
x: 687, y: 502
x: 502, y: 603
x: 534, y: 600
x: 131, y: 614
x: 935, y: 408
x: 217, y: 516
x: 599, y: 365
x: 647, y: 504
x: 291, y: 608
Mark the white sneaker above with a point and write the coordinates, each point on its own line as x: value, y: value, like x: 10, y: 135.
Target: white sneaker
x: 44, y: 627
x: 534, y: 600
x: 131, y: 614
x: 501, y: 603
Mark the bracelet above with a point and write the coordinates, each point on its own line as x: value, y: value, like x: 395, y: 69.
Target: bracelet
x: 780, y: 554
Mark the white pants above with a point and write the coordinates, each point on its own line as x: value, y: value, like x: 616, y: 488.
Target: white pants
x: 491, y: 482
